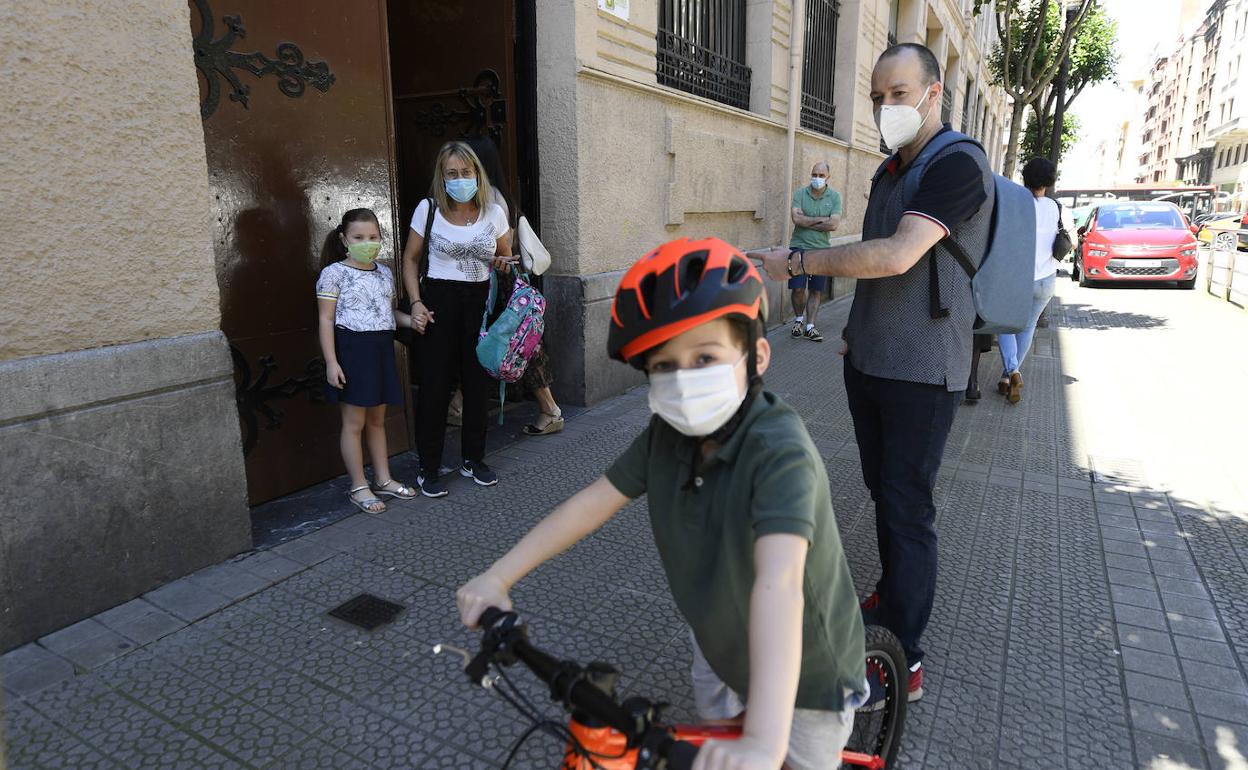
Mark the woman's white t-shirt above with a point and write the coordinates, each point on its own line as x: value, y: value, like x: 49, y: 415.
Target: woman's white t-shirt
x: 461, y: 253
x: 1047, y: 213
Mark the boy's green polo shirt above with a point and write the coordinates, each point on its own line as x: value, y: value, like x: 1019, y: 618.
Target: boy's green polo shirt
x: 766, y: 479
x: 824, y: 206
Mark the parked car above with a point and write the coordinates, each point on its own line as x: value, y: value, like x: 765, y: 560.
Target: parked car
x: 1136, y: 241
x: 1222, y: 227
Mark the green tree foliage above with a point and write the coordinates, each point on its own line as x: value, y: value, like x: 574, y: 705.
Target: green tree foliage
x: 1036, y: 144
x: 1093, y: 59
x: 1028, y: 53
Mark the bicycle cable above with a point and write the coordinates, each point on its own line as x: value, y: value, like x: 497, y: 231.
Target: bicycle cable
x: 521, y: 703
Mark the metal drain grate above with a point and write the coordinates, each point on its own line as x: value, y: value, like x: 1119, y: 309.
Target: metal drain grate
x: 367, y: 611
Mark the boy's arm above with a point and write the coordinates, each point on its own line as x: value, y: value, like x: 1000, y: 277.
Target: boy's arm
x: 577, y: 517
x: 776, y: 603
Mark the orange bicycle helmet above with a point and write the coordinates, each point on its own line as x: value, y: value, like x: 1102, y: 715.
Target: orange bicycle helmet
x: 678, y: 286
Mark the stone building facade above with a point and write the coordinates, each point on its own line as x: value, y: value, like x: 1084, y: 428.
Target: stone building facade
x: 697, y: 164
x: 119, y: 437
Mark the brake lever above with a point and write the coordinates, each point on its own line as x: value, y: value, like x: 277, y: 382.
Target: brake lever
x: 478, y: 668
x: 440, y: 648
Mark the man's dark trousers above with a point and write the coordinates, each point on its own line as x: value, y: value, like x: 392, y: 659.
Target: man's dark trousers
x: 901, y: 429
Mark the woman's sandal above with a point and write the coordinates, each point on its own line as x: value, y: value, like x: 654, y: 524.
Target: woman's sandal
x: 554, y: 426
x: 364, y: 504
x: 399, y: 490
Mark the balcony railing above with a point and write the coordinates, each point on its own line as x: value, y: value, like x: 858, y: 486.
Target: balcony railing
x: 819, y: 69
x: 701, y: 49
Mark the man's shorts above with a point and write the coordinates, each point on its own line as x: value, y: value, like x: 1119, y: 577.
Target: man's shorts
x: 817, y: 283
x: 815, y: 739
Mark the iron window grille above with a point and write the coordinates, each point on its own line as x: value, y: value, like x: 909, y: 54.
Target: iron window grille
x: 701, y: 49
x: 819, y: 66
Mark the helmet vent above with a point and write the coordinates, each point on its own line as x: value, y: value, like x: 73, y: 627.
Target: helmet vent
x: 646, y: 292
x: 738, y: 269
x: 691, y: 269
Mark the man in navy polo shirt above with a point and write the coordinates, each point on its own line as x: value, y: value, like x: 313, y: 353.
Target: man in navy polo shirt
x: 905, y: 370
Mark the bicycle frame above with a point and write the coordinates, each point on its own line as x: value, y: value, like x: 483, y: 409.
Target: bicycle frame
x: 612, y: 753
x: 605, y: 734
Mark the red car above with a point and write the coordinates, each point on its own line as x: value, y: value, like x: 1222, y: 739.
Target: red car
x: 1136, y: 241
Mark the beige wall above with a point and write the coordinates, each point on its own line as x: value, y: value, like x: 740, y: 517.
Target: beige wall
x: 103, y: 178
x: 649, y: 163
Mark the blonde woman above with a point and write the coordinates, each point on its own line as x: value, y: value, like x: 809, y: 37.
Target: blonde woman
x: 448, y: 290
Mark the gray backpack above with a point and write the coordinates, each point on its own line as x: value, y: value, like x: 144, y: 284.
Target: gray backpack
x: 1002, y: 284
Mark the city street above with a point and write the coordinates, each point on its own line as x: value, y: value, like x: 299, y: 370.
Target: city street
x: 1091, y: 611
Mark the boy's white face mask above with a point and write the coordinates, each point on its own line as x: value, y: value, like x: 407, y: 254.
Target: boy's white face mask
x: 697, y: 402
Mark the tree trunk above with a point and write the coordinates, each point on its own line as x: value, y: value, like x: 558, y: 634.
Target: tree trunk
x: 1016, y: 130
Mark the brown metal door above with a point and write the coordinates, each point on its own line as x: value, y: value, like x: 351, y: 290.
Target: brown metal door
x: 297, y: 125
x: 452, y: 63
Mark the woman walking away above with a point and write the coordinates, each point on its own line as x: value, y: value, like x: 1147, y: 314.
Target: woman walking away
x: 467, y: 239
x: 355, y: 303
x: 1038, y: 175
x: 537, y: 376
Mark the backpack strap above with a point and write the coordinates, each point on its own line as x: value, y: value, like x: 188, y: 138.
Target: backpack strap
x: 489, y: 302
x: 424, y: 246
x: 913, y: 177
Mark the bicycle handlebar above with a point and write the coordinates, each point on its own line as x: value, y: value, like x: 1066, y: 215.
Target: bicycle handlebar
x: 567, y: 683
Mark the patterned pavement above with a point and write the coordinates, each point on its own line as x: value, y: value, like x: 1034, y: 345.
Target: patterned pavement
x: 1091, y: 610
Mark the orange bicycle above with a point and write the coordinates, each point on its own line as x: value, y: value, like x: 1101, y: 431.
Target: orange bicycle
x: 604, y: 733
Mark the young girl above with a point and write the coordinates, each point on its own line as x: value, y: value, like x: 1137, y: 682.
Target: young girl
x: 355, y: 300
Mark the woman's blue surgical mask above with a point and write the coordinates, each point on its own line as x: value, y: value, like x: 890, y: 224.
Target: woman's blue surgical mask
x: 462, y: 190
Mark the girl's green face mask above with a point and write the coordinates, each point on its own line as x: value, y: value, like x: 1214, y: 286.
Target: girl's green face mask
x: 364, y: 252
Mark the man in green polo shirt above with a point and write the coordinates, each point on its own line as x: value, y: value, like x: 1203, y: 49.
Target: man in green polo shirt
x: 816, y: 212
x: 740, y: 510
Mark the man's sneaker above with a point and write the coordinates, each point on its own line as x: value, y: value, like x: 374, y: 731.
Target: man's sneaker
x: 797, y: 329
x: 478, y: 472
x: 914, y: 687
x: 813, y: 334
x: 875, y: 699
x: 431, y: 486
x: 870, y: 606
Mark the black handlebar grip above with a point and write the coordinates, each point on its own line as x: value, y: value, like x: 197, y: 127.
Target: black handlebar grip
x: 489, y: 617
x: 680, y: 755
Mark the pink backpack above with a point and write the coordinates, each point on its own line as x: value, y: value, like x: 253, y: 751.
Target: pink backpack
x: 505, y: 347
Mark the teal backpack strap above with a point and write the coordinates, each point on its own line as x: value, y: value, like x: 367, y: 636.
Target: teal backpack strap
x: 502, y: 400
x: 489, y: 302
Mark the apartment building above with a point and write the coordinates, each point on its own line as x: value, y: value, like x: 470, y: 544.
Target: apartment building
x: 1194, y: 127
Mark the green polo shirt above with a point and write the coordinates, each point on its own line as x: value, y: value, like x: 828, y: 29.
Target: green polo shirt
x: 768, y: 478
x: 824, y: 206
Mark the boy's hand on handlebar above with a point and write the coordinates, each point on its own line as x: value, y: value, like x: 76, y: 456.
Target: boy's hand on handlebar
x: 477, y: 594
x: 746, y: 753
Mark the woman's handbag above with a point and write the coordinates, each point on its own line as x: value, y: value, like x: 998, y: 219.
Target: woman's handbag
x: 533, y: 255
x: 1062, y: 244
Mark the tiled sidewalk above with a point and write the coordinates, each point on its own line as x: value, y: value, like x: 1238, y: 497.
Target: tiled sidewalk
x: 1078, y: 623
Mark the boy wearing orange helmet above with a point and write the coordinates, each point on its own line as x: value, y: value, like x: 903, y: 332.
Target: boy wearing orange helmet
x: 740, y: 509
